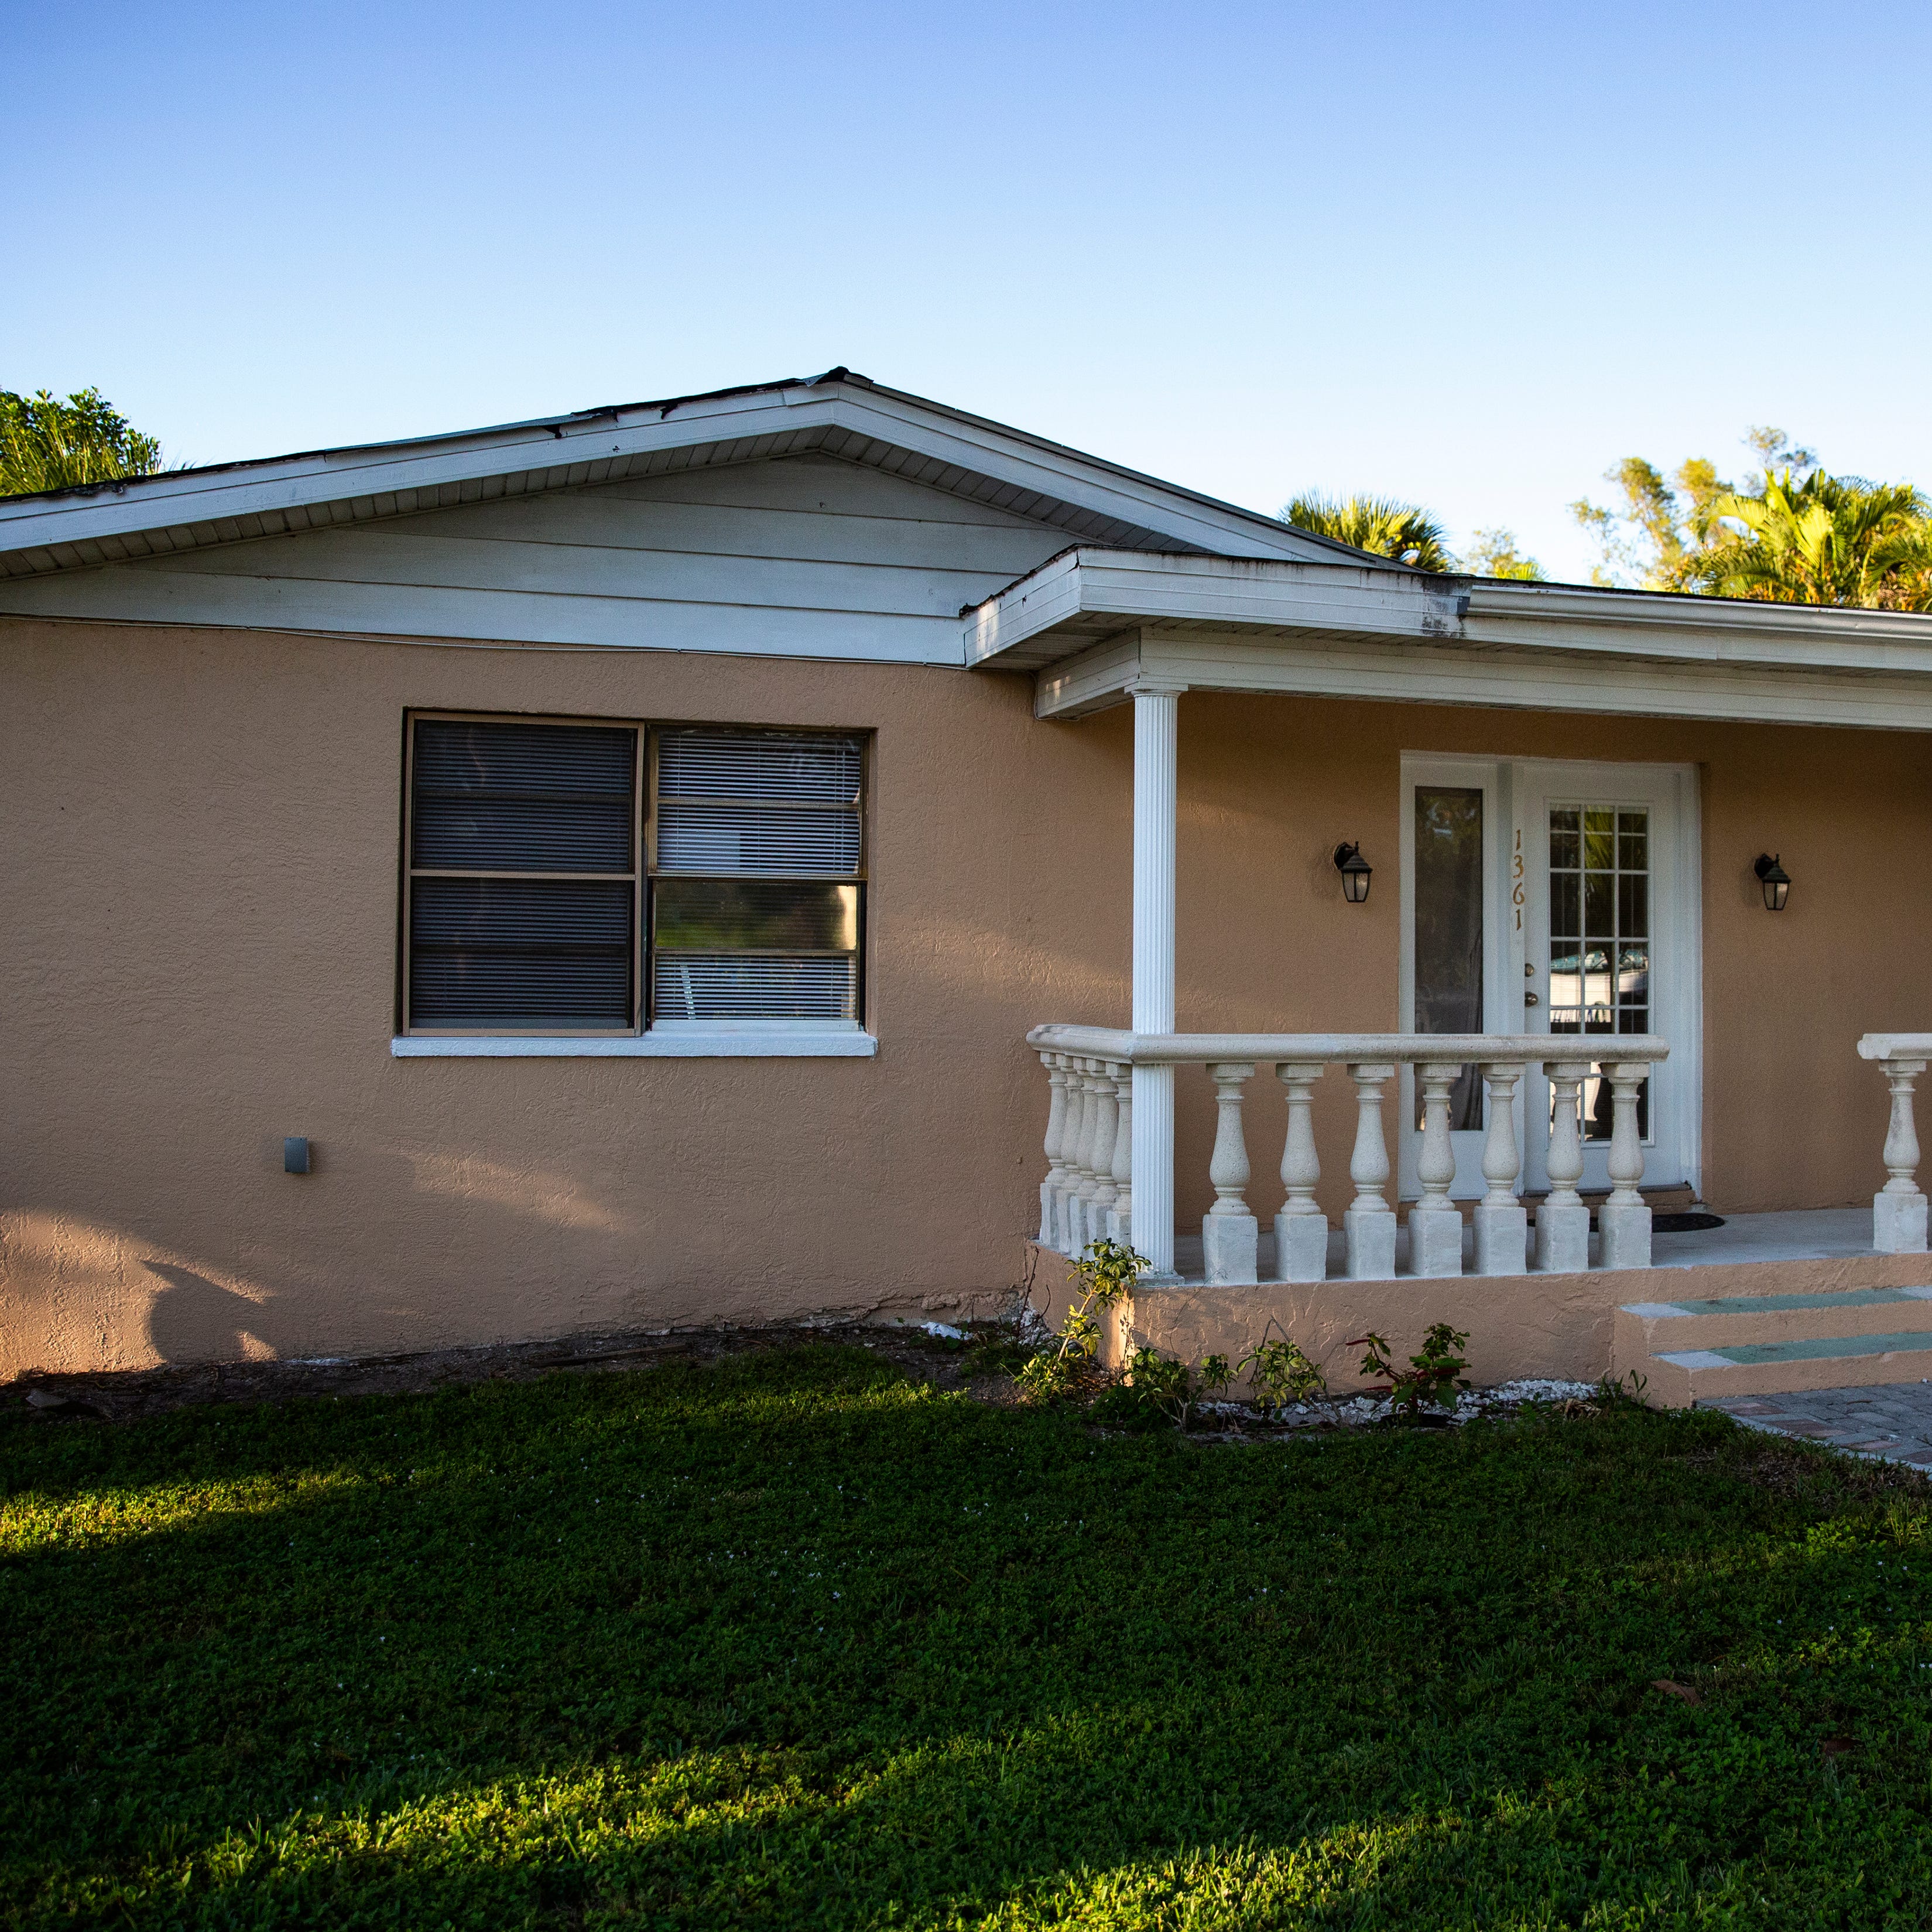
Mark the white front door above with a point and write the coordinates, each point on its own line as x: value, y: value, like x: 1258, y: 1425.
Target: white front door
x: 1541, y: 896
x: 1609, y: 945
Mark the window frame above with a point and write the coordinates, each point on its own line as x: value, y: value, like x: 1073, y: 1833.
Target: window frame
x: 642, y: 878
x: 860, y: 876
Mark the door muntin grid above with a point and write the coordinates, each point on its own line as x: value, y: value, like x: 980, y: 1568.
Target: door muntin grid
x: 1600, y: 940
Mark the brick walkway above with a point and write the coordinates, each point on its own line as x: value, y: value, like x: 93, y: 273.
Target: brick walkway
x: 1892, y: 1421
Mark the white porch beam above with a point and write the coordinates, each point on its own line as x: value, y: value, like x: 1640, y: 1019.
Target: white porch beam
x: 1156, y: 745
x: 1318, y: 665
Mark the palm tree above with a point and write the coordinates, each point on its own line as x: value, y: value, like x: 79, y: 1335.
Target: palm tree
x: 1826, y: 540
x: 46, y: 444
x: 1378, y: 524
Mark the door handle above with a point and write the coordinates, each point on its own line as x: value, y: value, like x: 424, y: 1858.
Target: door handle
x: 1531, y: 1000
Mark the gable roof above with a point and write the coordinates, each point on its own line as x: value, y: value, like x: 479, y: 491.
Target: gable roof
x: 837, y: 414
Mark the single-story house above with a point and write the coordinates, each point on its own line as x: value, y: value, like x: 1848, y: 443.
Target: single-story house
x: 802, y: 851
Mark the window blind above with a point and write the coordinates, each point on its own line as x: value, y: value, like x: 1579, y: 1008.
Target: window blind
x: 757, y: 896
x: 522, y: 912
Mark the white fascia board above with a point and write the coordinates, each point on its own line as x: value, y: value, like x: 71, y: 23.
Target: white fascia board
x: 373, y: 477
x: 1087, y: 482
x: 1134, y: 585
x: 1710, y: 630
x: 172, y: 501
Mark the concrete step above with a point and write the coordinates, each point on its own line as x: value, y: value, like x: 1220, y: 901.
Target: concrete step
x: 1647, y: 1327
x: 1680, y: 1378
x: 1703, y: 1348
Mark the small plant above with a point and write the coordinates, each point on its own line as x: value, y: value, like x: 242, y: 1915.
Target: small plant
x: 1281, y: 1373
x: 1429, y: 1376
x: 1168, y: 1386
x: 1624, y: 1391
x: 1106, y: 1272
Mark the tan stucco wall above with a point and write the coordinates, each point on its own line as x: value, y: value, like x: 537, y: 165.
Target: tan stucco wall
x: 198, y: 956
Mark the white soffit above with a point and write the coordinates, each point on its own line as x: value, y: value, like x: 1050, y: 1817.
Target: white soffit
x: 1089, y: 623
x: 839, y: 415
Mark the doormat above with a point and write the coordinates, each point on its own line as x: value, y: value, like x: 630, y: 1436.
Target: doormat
x: 1684, y: 1224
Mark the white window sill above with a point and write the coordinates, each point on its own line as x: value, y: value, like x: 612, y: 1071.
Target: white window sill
x: 683, y: 1042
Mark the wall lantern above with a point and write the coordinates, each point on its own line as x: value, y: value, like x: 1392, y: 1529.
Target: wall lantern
x: 1776, y: 881
x: 1356, y: 873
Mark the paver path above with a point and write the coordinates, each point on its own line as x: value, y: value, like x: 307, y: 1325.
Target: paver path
x: 1892, y: 1420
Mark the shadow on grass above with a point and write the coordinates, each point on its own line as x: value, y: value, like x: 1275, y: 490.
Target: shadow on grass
x: 790, y: 1641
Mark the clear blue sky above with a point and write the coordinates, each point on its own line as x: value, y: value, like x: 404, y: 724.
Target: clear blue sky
x: 1470, y: 253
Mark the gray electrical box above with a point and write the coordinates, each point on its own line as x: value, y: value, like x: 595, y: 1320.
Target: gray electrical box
x: 295, y: 1154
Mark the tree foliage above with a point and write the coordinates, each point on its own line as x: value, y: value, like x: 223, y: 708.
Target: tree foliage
x: 48, y: 444
x: 1790, y: 533
x: 1381, y: 525
x: 1493, y: 553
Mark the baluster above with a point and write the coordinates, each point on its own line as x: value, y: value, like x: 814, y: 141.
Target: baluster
x: 1056, y: 1127
x: 1072, y: 1236
x: 1120, y: 1219
x: 1563, y: 1221
x: 1502, y: 1227
x: 1301, y: 1228
x: 1081, y: 1201
x: 1434, y: 1224
x: 1899, y: 1208
x: 1624, y: 1220
x: 1230, y: 1236
x: 1106, y: 1131
x: 1369, y: 1223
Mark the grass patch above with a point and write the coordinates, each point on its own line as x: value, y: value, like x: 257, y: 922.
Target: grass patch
x: 793, y: 1640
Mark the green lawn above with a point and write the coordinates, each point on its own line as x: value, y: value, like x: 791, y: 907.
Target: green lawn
x: 793, y: 1640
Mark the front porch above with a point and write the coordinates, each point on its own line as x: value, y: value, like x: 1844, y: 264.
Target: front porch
x: 1600, y: 994
x: 1760, y: 1304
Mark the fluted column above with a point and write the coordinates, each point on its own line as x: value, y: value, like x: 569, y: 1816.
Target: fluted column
x: 1056, y: 1125
x: 1369, y: 1223
x: 1563, y: 1221
x: 1502, y: 1226
x: 1230, y: 1236
x: 1899, y: 1208
x: 1156, y: 741
x: 1624, y: 1220
x: 1435, y: 1223
x: 1301, y: 1228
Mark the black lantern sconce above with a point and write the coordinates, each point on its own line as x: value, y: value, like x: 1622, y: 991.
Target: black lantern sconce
x: 1775, y: 880
x: 1356, y: 873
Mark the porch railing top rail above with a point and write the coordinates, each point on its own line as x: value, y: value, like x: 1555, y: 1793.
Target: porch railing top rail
x: 1170, y: 1049
x: 1896, y: 1046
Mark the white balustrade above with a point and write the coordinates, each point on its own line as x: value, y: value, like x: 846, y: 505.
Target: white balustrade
x: 1055, y: 1064
x: 1095, y: 1188
x: 1120, y: 1221
x: 1106, y: 1124
x: 1435, y: 1222
x: 1563, y: 1221
x: 1230, y: 1235
x: 1502, y: 1224
x: 1301, y: 1228
x: 1899, y: 1208
x: 1623, y: 1220
x: 1368, y: 1226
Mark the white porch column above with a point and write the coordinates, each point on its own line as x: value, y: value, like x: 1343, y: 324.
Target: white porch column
x: 1157, y: 738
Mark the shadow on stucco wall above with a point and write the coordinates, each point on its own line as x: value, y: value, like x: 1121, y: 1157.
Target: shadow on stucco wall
x: 193, y: 1319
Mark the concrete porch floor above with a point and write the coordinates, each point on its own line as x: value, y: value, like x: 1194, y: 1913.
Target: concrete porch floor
x: 1823, y: 1233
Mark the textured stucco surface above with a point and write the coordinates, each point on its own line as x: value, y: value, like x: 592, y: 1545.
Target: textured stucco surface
x: 199, y: 958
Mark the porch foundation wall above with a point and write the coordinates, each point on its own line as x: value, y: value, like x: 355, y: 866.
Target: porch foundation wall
x: 1552, y: 1326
